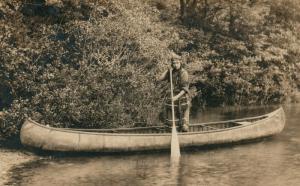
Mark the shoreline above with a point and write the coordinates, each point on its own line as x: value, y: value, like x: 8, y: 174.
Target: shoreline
x: 11, y: 157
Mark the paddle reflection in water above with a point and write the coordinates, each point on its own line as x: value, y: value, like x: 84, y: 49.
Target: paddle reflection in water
x: 270, y: 162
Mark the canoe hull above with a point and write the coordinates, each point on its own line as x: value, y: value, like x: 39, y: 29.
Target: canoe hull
x: 54, y: 139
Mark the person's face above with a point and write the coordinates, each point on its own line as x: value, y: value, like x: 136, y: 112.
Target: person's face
x: 176, y: 64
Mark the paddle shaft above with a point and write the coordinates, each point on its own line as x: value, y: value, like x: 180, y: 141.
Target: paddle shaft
x: 175, y: 149
x: 172, y: 102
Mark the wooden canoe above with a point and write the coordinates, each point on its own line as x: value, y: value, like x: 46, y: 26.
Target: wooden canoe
x: 43, y: 137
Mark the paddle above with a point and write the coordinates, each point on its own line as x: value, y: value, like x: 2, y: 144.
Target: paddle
x: 175, y: 149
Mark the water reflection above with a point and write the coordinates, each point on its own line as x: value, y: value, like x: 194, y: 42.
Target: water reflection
x: 232, y: 112
x: 270, y: 162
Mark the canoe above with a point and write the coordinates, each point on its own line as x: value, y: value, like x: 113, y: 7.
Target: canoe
x: 48, y: 138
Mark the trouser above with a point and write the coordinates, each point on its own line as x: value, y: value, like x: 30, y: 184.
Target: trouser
x: 181, y: 111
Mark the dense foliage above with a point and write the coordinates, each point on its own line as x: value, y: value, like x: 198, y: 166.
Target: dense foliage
x: 93, y: 64
x: 89, y: 71
x: 249, y: 50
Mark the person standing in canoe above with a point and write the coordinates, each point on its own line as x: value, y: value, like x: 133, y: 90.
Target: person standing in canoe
x: 181, y: 98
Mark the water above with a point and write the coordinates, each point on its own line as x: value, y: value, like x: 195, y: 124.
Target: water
x: 270, y: 162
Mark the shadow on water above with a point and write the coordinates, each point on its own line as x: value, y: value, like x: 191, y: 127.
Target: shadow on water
x: 269, y: 162
x: 138, y: 166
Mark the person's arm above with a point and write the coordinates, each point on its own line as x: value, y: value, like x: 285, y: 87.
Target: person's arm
x: 164, y: 76
x: 181, y: 93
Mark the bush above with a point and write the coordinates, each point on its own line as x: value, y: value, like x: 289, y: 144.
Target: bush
x: 242, y: 52
x: 84, y: 73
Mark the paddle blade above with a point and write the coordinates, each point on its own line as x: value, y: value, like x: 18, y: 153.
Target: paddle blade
x: 175, y: 149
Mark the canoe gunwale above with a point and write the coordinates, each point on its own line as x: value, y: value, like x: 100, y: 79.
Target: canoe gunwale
x: 258, y: 119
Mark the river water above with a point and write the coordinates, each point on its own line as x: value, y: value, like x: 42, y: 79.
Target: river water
x: 269, y: 162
